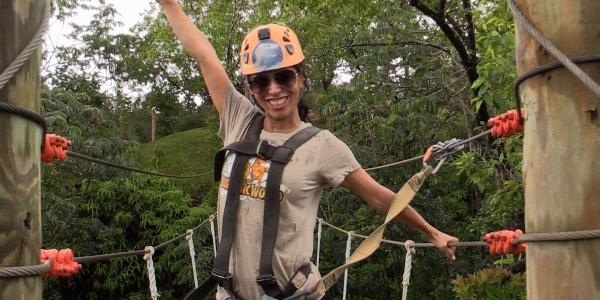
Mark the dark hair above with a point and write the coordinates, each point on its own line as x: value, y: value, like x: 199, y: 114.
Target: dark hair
x: 303, y: 109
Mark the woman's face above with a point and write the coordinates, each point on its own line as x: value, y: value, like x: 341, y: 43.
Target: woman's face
x: 277, y: 91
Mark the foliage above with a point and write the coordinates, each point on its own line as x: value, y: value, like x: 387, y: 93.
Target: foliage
x: 497, y: 70
x: 493, y: 283
x: 93, y: 210
x: 388, y: 78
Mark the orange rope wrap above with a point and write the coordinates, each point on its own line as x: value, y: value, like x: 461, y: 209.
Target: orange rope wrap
x: 501, y: 242
x: 63, y: 264
x: 54, y: 148
x: 506, y: 124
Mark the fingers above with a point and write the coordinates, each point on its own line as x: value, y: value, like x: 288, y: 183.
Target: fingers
x: 450, y: 251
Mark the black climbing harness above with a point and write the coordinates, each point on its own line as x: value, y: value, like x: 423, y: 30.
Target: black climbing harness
x: 252, y: 146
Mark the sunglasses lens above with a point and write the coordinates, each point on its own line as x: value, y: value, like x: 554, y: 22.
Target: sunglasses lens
x: 285, y: 78
x: 259, y: 84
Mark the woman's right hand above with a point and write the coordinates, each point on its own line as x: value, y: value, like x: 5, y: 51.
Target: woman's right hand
x: 163, y: 2
x: 197, y: 45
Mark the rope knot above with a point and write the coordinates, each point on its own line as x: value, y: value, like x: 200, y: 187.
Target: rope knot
x: 408, y: 246
x: 189, y: 233
x: 149, y: 252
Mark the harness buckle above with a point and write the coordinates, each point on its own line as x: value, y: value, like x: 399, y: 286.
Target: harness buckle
x: 260, y: 151
x: 263, y: 280
x: 221, y: 275
x: 283, y: 154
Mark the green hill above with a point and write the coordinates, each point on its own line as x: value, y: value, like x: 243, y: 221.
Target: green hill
x: 189, y: 153
x: 184, y: 153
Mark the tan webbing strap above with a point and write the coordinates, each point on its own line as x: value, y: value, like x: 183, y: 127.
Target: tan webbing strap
x: 369, y: 245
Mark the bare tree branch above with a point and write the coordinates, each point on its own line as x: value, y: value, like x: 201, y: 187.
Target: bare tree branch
x: 464, y: 44
x: 452, y: 36
x: 455, y: 25
x: 470, y: 28
x: 442, y: 8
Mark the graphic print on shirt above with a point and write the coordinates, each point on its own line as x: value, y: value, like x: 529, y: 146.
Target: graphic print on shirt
x: 254, y: 182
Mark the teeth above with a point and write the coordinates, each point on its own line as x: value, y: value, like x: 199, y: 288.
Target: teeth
x: 277, y: 102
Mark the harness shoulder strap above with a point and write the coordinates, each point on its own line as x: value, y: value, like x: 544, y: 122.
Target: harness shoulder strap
x: 266, y: 278
x: 246, y: 146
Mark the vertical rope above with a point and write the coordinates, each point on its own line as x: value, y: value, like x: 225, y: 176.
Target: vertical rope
x: 319, y: 232
x: 407, y: 268
x: 212, y: 231
x: 190, y: 239
x: 348, y: 250
x: 150, y: 265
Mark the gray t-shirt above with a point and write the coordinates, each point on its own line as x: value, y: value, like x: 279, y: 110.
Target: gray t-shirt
x: 324, y: 159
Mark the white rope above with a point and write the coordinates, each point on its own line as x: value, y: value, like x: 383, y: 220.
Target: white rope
x: 150, y: 265
x: 407, y: 268
x: 212, y: 231
x: 348, y: 250
x: 22, y: 58
x: 564, y: 60
x: 190, y: 239
x: 319, y: 232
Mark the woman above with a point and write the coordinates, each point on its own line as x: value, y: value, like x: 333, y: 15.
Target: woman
x: 271, y: 61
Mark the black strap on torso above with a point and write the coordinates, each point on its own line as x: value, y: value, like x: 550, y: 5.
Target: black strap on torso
x: 279, y: 156
x: 266, y: 278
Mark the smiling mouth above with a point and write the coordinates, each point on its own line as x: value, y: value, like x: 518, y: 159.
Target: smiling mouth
x: 276, y: 103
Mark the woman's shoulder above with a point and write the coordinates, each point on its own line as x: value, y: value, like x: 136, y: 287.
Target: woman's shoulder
x: 325, y: 136
x: 326, y: 142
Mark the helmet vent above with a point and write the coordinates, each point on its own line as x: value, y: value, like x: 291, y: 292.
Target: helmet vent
x: 289, y: 48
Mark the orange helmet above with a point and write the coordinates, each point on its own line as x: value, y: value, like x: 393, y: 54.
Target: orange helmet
x: 269, y: 47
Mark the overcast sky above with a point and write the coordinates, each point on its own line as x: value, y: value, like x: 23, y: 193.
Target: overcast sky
x: 129, y: 13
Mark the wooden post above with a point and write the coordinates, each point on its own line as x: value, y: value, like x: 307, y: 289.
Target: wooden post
x: 561, y: 154
x: 153, y: 126
x: 20, y: 224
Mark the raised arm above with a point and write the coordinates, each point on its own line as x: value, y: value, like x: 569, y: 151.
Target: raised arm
x: 198, y: 46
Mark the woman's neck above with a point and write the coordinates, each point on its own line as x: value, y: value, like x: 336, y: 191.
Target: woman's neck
x: 286, y: 125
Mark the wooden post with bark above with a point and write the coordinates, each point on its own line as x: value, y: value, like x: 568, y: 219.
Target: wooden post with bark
x: 561, y: 151
x: 20, y: 215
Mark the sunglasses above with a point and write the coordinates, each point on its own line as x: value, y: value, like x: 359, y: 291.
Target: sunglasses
x: 284, y: 78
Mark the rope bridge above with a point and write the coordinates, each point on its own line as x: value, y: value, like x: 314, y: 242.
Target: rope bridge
x: 62, y: 263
